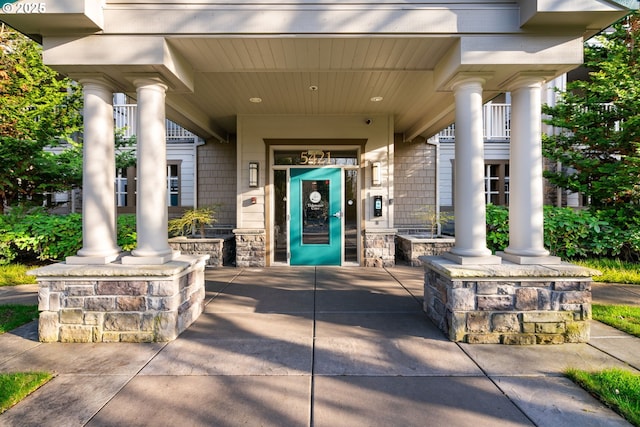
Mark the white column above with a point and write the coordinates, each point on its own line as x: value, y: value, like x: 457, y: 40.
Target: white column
x: 526, y: 198
x: 151, y: 205
x: 469, y: 198
x: 99, y: 238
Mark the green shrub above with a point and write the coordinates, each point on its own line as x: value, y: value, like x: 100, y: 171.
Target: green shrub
x: 570, y: 233
x: 39, y: 235
x: 193, y: 220
x: 127, y: 236
x: 36, y: 234
x: 497, y: 227
x: 51, y: 237
x: 574, y: 234
x: 622, y: 238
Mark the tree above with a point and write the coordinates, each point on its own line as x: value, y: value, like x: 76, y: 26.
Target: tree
x: 38, y: 109
x: 598, y: 121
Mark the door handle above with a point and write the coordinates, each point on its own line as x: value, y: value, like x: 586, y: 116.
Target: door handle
x: 338, y: 214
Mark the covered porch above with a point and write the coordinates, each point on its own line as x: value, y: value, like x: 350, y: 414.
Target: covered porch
x: 364, y: 78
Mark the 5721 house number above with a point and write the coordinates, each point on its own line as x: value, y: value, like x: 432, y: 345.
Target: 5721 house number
x: 315, y: 157
x: 13, y: 7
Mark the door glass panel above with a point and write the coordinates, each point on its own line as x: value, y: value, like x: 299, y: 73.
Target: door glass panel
x: 315, y: 208
x: 350, y: 215
x: 280, y: 210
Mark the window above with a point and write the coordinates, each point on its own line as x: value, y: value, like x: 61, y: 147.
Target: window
x: 121, y: 187
x: 126, y: 186
x: 496, y: 182
x: 173, y: 185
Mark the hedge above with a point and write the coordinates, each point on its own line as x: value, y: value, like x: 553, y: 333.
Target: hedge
x: 42, y: 236
x: 577, y: 233
x: 569, y: 233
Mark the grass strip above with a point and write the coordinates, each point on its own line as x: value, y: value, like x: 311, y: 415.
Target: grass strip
x: 616, y: 388
x: 15, y: 274
x: 622, y: 317
x: 15, y: 387
x: 613, y: 270
x: 14, y: 315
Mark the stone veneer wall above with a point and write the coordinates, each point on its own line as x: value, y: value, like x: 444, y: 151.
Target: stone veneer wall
x: 508, y: 303
x: 379, y: 248
x: 221, y: 251
x: 119, y: 303
x: 410, y: 248
x: 251, y: 248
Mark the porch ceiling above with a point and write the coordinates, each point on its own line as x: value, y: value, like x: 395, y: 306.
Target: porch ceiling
x: 311, y: 76
x: 212, y: 78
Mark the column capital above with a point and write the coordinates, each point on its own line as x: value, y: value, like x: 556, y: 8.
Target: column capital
x: 532, y: 79
x: 96, y: 79
x: 467, y: 78
x: 147, y: 79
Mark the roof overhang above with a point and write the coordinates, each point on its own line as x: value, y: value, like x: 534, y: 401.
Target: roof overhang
x: 215, y: 55
x: 37, y: 19
x: 591, y: 15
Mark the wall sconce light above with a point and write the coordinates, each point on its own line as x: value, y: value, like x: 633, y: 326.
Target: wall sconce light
x: 376, y: 174
x: 253, y: 174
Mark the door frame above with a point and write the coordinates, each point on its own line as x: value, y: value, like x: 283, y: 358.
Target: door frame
x: 269, y: 192
x: 294, y: 205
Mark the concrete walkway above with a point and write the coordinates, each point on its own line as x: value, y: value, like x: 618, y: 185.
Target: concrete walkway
x: 313, y: 346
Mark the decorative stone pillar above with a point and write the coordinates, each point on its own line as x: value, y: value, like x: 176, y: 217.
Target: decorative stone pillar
x: 99, y: 241
x: 151, y: 207
x: 251, y: 247
x: 509, y: 303
x: 116, y: 303
x: 379, y: 248
x: 526, y: 198
x: 469, y: 194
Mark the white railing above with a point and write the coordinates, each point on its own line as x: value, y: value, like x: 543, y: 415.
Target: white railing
x: 496, y: 124
x: 124, y: 116
x: 125, y: 119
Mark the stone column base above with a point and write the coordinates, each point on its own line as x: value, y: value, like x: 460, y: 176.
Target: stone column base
x: 379, y: 248
x: 119, y: 303
x: 251, y: 248
x: 508, y: 303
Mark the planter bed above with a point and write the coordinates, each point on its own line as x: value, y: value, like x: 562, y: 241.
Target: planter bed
x: 410, y: 247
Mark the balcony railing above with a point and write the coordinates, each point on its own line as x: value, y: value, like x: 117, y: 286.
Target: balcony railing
x: 496, y: 124
x: 125, y: 119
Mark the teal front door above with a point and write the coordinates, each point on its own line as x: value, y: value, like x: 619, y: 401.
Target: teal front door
x: 316, y: 216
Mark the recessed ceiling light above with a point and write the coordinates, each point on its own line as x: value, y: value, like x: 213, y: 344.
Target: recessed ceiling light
x: 255, y: 100
x: 376, y: 99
